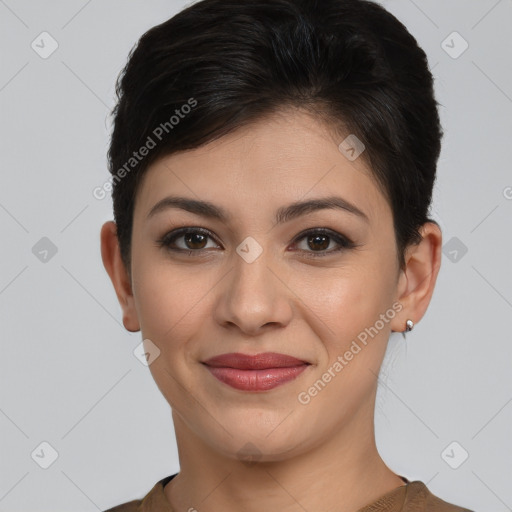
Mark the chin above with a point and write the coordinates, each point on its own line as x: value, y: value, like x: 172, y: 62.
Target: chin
x: 251, y: 447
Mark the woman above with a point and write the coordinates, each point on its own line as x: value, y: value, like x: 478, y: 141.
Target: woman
x: 272, y: 167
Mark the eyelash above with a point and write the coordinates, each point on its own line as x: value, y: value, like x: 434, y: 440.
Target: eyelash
x: 172, y: 236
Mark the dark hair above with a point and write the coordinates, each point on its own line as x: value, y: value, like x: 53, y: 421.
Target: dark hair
x: 221, y: 64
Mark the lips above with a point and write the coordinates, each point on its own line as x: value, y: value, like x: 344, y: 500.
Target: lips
x: 260, y: 372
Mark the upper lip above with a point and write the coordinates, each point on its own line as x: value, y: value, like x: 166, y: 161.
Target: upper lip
x: 260, y: 361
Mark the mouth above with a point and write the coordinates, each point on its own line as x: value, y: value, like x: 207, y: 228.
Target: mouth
x: 259, y: 372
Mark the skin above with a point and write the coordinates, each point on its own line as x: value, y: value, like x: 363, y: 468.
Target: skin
x: 319, y: 456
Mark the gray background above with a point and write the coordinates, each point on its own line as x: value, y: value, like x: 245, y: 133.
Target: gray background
x: 68, y: 373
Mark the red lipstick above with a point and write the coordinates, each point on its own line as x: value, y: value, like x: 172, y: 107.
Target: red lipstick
x: 259, y: 372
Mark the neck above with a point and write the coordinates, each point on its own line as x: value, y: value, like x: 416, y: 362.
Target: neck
x: 344, y: 473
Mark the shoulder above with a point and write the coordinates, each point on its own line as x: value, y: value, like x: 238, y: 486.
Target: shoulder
x: 154, y: 500
x: 419, y: 499
x: 130, y: 506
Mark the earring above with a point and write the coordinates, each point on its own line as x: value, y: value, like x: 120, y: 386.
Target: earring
x: 409, y: 325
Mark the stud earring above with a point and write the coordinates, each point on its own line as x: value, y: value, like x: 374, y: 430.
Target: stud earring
x: 409, y: 325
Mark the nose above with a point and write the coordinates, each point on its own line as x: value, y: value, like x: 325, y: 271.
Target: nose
x: 254, y: 297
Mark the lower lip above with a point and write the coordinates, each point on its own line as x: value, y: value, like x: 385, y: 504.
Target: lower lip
x: 256, y: 380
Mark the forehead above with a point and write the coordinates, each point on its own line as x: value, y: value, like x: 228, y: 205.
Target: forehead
x: 282, y: 158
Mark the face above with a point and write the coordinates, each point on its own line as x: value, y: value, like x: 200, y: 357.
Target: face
x: 317, y: 284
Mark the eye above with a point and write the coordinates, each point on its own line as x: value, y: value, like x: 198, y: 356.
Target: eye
x: 317, y: 241
x: 193, y: 240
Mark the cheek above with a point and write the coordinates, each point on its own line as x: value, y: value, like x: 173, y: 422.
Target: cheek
x: 167, y: 299
x: 349, y: 302
x: 345, y: 298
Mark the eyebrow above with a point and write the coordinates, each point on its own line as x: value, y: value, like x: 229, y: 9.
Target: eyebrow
x: 283, y: 214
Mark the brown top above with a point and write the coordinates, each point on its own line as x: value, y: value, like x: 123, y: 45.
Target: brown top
x: 412, y: 497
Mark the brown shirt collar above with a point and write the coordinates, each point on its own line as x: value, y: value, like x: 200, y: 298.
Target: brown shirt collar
x: 411, y: 497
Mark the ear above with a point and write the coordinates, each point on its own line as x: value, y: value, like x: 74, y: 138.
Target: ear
x: 116, y: 269
x: 417, y: 280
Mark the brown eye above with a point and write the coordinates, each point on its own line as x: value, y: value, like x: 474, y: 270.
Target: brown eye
x: 195, y: 240
x: 317, y: 241
x: 191, y: 240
